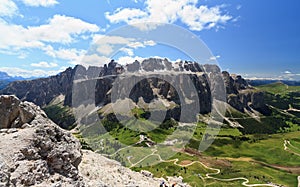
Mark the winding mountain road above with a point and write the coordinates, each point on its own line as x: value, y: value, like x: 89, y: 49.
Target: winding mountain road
x: 209, y: 175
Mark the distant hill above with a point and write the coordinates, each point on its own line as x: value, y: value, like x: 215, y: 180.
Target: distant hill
x: 269, y: 81
x: 279, y: 88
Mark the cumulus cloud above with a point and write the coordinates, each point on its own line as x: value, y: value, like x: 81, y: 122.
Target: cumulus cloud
x: 127, y: 15
x: 44, y: 64
x: 129, y: 59
x: 8, y: 8
x: 42, y: 3
x: 128, y: 51
x: 169, y: 11
x: 287, y: 72
x: 59, y: 29
x: 94, y: 60
x: 214, y: 58
x: 107, y: 45
x: 72, y: 55
x: 14, y: 71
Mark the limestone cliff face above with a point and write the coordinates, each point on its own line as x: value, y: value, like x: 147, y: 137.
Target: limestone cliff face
x: 241, y: 95
x: 96, y: 84
x: 44, y: 90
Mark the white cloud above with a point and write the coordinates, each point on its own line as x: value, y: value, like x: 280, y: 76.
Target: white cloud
x: 214, y: 58
x: 128, y: 59
x: 238, y: 7
x: 44, y: 64
x: 8, y: 8
x: 59, y: 29
x: 105, y: 49
x: 107, y: 45
x: 94, y: 60
x: 72, y: 55
x: 37, y: 3
x: 169, y: 11
x: 65, y: 54
x: 287, y: 72
x: 199, y: 18
x: 106, y: 39
x: 150, y: 43
x: 128, y: 51
x: 14, y: 71
x: 288, y: 75
x: 127, y: 15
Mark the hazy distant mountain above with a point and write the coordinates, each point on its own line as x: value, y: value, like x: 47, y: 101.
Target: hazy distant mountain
x: 5, y: 79
x: 270, y: 81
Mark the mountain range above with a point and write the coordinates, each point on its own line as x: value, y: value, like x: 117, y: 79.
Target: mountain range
x: 5, y: 79
x: 156, y: 115
x: 94, y: 85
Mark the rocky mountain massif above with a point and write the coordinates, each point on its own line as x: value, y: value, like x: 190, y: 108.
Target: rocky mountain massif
x: 239, y: 94
x: 36, y: 152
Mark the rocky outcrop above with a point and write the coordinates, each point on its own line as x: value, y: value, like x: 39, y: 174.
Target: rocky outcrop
x: 14, y: 113
x: 34, y: 150
x: 241, y: 95
x: 40, y: 153
x: 112, y: 173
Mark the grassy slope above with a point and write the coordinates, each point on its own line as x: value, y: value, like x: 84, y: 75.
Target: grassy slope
x: 279, y: 88
x: 231, y: 146
x: 282, y: 96
x: 61, y: 115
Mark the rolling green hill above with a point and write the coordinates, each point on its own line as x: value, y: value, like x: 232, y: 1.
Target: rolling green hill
x: 279, y: 88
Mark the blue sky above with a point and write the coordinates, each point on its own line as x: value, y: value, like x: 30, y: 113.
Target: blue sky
x: 254, y: 38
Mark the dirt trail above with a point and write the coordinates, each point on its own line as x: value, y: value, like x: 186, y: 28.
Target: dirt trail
x: 285, y: 147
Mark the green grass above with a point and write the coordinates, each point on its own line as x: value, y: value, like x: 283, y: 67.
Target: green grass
x: 269, y: 150
x: 190, y: 174
x: 281, y: 96
x: 125, y: 136
x: 261, y: 142
x: 279, y: 88
x: 295, y: 145
x: 61, y: 115
x: 254, y: 172
x: 257, y: 174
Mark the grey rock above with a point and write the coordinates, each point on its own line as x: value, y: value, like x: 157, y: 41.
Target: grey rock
x: 96, y: 83
x: 9, y: 111
x: 38, y: 151
x: 43, y: 154
x: 14, y: 113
